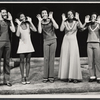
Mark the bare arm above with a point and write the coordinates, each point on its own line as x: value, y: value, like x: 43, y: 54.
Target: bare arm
x: 12, y: 27
x: 39, y: 23
x: 33, y: 28
x: 18, y: 31
x: 53, y: 21
x: 62, y: 27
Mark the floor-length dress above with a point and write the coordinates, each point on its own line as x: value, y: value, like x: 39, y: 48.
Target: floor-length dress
x: 69, y: 66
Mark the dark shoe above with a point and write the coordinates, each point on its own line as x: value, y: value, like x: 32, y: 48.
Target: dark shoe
x: 75, y: 81
x: 8, y: 84
x: 51, y: 80
x: 45, y: 80
x: 27, y: 80
x: 92, y: 80
x: 23, y: 81
x: 70, y: 80
x: 98, y: 81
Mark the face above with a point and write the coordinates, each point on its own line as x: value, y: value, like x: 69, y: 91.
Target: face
x: 70, y: 15
x: 4, y: 14
x: 93, y: 17
x: 22, y: 17
x: 44, y: 14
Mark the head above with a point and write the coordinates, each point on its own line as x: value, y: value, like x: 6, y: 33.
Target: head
x: 4, y: 13
x: 71, y: 14
x: 93, y: 17
x: 44, y: 13
x: 22, y: 17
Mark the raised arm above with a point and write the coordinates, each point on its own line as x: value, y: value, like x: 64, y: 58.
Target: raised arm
x: 80, y: 25
x: 39, y: 23
x: 53, y: 21
x: 18, y: 31
x: 62, y: 27
x: 12, y: 27
x: 33, y: 28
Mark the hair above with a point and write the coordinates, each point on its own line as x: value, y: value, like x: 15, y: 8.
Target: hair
x: 95, y: 14
x: 18, y: 15
x: 71, y: 11
x: 44, y: 8
x: 73, y: 14
x: 3, y: 8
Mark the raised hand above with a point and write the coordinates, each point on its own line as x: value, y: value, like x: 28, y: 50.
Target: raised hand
x: 9, y: 16
x: 39, y: 17
x: 98, y: 19
x: 63, y: 17
x: 87, y: 19
x: 17, y: 21
x: 77, y: 15
x: 1, y: 17
x: 29, y: 19
x: 50, y: 15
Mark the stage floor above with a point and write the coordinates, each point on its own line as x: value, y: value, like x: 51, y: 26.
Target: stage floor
x: 38, y: 87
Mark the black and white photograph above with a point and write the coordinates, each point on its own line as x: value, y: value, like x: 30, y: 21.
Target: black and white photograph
x: 49, y: 48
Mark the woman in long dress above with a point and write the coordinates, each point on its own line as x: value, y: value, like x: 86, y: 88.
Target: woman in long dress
x: 47, y: 25
x: 25, y: 47
x: 69, y: 66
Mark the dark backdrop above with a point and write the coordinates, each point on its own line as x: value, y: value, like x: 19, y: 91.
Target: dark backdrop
x: 32, y: 9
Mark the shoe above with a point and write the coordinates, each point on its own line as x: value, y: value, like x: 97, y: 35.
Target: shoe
x: 27, y: 81
x: 45, y: 80
x: 98, y: 81
x: 75, y: 81
x: 8, y: 84
x: 51, y: 80
x: 92, y: 80
x: 23, y: 81
x: 70, y: 80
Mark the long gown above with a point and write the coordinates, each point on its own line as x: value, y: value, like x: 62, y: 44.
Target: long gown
x: 69, y: 66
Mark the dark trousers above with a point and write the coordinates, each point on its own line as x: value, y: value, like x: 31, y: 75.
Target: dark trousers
x: 49, y: 55
x: 5, y: 49
x: 93, y: 50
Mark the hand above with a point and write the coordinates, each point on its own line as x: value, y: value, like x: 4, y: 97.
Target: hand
x: 1, y: 17
x: 98, y: 19
x: 39, y: 17
x: 9, y: 16
x: 17, y: 21
x: 50, y: 15
x: 63, y: 17
x: 87, y: 19
x: 77, y: 16
x: 29, y: 19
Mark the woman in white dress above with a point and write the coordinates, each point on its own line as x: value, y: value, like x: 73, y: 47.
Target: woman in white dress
x: 25, y: 47
x: 69, y: 66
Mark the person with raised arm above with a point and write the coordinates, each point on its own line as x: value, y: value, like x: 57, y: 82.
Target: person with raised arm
x: 47, y: 25
x: 69, y: 65
x: 6, y: 23
x: 92, y: 23
x: 25, y: 47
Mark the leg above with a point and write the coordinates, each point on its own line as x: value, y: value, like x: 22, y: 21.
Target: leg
x: 52, y: 56
x: 22, y: 65
x: 90, y: 59
x: 1, y: 51
x: 7, y: 50
x: 97, y: 60
x: 28, y: 56
x: 46, y: 59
